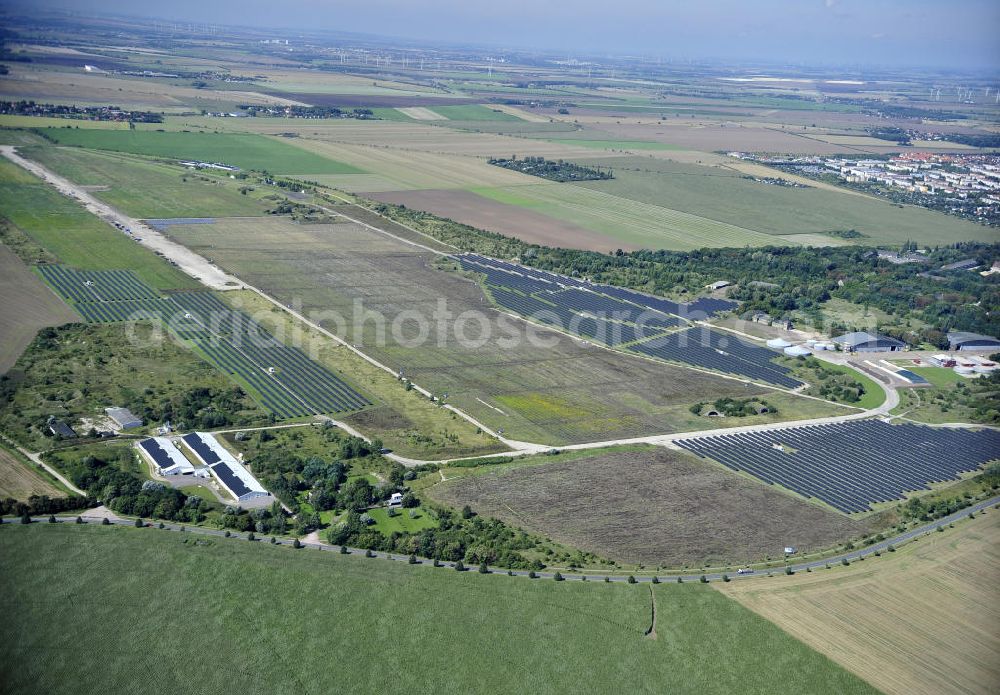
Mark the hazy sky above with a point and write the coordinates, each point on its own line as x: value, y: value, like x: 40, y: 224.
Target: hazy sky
x: 947, y: 33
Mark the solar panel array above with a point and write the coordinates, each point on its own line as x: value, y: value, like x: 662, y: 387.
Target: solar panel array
x: 153, y: 448
x: 199, y: 447
x: 235, y: 485
x: 723, y: 352
x: 852, y: 465
x: 287, y: 381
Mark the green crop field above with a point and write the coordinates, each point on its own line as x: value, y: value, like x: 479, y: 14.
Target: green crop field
x: 779, y: 210
x: 246, y: 151
x: 91, y: 608
x: 635, y: 223
x: 73, y: 235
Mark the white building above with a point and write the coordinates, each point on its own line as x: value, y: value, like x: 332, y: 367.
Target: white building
x: 164, y: 456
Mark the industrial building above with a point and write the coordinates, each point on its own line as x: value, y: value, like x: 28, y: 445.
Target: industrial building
x: 962, y: 340
x: 860, y: 341
x: 230, y: 473
x: 123, y: 417
x: 165, y: 457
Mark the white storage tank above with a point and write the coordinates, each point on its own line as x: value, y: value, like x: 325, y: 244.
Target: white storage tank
x: 778, y: 343
x: 797, y: 351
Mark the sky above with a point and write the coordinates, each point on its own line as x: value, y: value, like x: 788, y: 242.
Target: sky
x: 936, y: 33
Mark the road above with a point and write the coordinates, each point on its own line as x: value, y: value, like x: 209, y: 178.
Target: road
x: 37, y: 460
x: 866, y: 552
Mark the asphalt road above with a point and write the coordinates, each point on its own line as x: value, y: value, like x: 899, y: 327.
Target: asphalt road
x: 851, y: 556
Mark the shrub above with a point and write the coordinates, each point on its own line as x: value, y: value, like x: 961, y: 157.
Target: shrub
x: 531, y: 574
x: 891, y: 548
x: 844, y: 561
x: 26, y: 518
x: 105, y: 521
x: 459, y: 567
x: 788, y: 571
x: 680, y: 580
x: 558, y: 577
x: 274, y: 540
x: 344, y: 550
x: 296, y: 544
x: 161, y: 525
x: 79, y: 519
x: 631, y: 579
x: 656, y: 580
x: 703, y: 579
x: 725, y: 577
x: 227, y: 534
x: 484, y: 568
x: 251, y: 537
x: 940, y: 529
x: 369, y: 553
x: 436, y: 563
x: 412, y: 560
x: 52, y: 518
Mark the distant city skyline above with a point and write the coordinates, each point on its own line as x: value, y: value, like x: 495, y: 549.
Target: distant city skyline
x: 926, y: 33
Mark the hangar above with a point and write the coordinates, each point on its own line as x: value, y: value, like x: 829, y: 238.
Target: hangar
x: 962, y: 340
x: 860, y: 341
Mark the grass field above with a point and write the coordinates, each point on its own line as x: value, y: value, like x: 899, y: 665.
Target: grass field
x: 328, y: 267
x: 147, y: 189
x: 85, y: 605
x: 27, y: 306
x: 918, y: 621
x: 19, y: 481
x: 654, y: 507
x: 473, y: 112
x: 245, y: 151
x: 873, y: 397
x: 627, y: 223
x: 73, y: 235
x: 778, y: 210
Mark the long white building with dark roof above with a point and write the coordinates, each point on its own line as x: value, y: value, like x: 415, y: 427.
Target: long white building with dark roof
x: 231, y: 474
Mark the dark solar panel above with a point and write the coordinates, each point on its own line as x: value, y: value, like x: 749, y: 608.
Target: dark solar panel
x: 200, y: 448
x: 226, y: 475
x: 154, y: 449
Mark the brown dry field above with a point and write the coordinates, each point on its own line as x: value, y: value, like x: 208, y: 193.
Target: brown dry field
x: 28, y: 305
x: 20, y: 482
x: 656, y: 507
x: 921, y: 621
x: 486, y: 213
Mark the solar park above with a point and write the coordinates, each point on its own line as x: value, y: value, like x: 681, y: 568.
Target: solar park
x: 618, y: 317
x: 852, y: 465
x: 285, y: 380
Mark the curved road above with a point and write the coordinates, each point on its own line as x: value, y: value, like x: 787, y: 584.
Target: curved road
x: 880, y: 547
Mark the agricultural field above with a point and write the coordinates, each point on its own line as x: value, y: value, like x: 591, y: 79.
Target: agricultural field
x: 650, y: 506
x: 27, y: 306
x: 18, y: 480
x: 542, y: 635
x: 245, y: 151
x: 779, y: 210
x: 626, y: 224
x: 72, y: 235
x: 921, y: 620
x: 566, y: 393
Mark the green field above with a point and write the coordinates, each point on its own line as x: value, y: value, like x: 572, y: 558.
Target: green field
x: 640, y: 224
x: 779, y: 210
x: 73, y: 235
x: 245, y: 151
x: 97, y: 609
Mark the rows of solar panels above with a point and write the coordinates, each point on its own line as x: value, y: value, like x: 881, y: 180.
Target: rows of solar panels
x: 610, y: 315
x: 852, y: 465
x: 218, y: 467
x: 289, y: 384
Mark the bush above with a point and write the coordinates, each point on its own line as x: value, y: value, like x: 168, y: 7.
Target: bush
x: 274, y: 541
x: 369, y: 553
x: 436, y: 563
x: 79, y: 519
x: 680, y: 580
x: 105, y: 521
x: 227, y: 534
x: 725, y: 577
x: 52, y: 518
x: 161, y: 525
x: 295, y: 543
x: 844, y: 561
x: 558, y: 577
x: 788, y: 571
x: 656, y: 580
x: 459, y: 567
x: 891, y: 548
x: 25, y: 518
x: 139, y: 523
x: 484, y: 568
x: 531, y: 574
x: 344, y: 550
x: 703, y: 579
x: 631, y: 579
x: 412, y: 559
x: 251, y: 537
